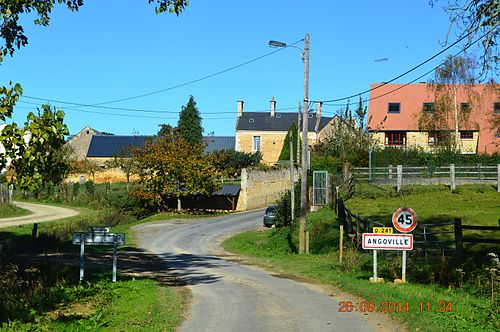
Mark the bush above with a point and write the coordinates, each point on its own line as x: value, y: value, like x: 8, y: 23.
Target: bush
x: 90, y: 187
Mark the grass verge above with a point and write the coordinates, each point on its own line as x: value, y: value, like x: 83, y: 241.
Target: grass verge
x: 467, y: 313
x: 10, y: 210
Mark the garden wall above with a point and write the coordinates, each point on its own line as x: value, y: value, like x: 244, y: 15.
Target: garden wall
x: 260, y: 188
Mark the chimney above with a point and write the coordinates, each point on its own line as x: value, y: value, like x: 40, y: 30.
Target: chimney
x: 319, y: 111
x: 240, y: 108
x: 273, y: 107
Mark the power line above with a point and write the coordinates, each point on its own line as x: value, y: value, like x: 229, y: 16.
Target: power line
x: 99, y: 105
x: 415, y: 67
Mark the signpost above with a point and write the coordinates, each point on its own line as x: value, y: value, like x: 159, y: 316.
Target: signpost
x: 404, y: 220
x: 98, y: 236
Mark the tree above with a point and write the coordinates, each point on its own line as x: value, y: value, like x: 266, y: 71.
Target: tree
x: 454, y: 75
x: 229, y: 163
x: 360, y: 113
x: 125, y: 163
x: 170, y: 167
x: 189, y: 125
x: 475, y: 18
x: 36, y: 151
x: 285, y: 151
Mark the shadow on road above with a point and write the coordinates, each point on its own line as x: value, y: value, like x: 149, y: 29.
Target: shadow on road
x: 192, y: 269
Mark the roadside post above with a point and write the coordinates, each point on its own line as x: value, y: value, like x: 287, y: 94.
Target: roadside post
x: 98, y: 236
x: 404, y: 220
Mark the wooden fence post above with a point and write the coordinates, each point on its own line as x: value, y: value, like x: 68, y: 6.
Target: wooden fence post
x: 452, y: 176
x: 459, y: 246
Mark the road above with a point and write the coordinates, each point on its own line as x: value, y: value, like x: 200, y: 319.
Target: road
x: 39, y: 213
x: 227, y: 296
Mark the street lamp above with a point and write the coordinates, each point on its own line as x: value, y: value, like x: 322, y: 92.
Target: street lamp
x: 305, y: 125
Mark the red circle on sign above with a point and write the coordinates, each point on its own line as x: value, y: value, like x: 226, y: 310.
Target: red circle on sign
x: 404, y: 220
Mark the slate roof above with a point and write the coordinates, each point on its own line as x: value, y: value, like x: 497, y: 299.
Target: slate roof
x: 263, y: 121
x: 110, y: 146
x: 228, y: 190
x: 217, y: 143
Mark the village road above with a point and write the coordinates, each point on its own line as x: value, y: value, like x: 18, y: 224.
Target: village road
x: 227, y: 296
x: 39, y: 213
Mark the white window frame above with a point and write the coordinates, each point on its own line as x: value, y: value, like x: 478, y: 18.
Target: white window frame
x: 256, y: 143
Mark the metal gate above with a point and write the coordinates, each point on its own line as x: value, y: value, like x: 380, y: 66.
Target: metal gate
x: 320, y: 188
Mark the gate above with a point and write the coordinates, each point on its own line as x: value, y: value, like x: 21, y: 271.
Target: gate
x: 320, y: 188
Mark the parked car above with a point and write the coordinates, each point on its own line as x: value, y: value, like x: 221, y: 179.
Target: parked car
x: 270, y: 216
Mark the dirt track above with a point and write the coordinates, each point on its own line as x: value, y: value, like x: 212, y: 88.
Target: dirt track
x: 39, y: 213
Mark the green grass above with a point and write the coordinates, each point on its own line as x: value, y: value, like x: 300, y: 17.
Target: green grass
x: 127, y: 305
x: 469, y: 295
x: 9, y: 211
x: 469, y: 312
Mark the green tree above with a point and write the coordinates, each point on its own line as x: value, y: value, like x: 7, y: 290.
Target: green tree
x: 454, y: 75
x: 125, y: 163
x: 35, y: 151
x: 229, y: 163
x: 285, y: 151
x: 189, y: 125
x: 360, y: 113
x: 171, y: 167
x: 475, y: 18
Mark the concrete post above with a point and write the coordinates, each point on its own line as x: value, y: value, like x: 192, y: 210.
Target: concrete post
x: 452, y: 176
x: 498, y: 175
x: 400, y: 177
x: 390, y: 172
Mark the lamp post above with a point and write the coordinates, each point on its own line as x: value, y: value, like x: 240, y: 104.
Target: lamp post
x: 303, y: 189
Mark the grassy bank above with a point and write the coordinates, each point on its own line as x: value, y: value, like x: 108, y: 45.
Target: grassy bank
x: 48, y: 296
x: 440, y: 295
x: 9, y: 211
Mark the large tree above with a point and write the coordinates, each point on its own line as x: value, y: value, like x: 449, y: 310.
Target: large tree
x: 474, y: 18
x: 170, y: 167
x: 36, y: 151
x: 189, y: 125
x: 446, y: 116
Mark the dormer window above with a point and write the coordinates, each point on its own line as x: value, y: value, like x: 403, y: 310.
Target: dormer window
x: 278, y: 115
x: 310, y: 116
x: 250, y: 120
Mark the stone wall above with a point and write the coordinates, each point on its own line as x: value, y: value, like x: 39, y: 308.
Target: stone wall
x: 262, y: 188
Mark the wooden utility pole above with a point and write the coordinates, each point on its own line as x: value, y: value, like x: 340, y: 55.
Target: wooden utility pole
x: 303, y: 189
x: 292, y: 181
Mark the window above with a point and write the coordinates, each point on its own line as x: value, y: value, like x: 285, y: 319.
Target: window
x: 496, y: 107
x: 498, y: 133
x: 466, y: 134
x: 393, y: 107
x: 256, y: 143
x: 464, y: 107
x: 428, y: 107
x: 395, y: 138
x: 435, y: 138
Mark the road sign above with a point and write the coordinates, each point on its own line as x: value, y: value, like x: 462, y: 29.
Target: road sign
x: 387, y: 241
x: 383, y: 230
x: 404, y: 220
x: 99, y: 238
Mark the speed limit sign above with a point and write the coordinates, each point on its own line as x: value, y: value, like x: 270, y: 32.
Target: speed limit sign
x: 404, y: 220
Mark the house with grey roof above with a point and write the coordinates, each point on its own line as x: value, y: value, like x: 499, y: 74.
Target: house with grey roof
x: 266, y: 131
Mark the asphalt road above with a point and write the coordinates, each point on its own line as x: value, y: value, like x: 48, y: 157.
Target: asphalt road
x: 39, y: 213
x: 227, y: 296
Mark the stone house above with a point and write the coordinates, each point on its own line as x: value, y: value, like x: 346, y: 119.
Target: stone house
x: 394, y: 110
x: 266, y: 131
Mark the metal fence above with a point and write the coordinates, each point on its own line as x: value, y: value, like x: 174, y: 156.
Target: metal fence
x: 320, y: 188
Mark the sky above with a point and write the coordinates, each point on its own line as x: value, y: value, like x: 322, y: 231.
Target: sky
x: 111, y: 50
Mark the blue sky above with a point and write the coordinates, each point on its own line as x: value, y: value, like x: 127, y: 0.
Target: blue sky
x: 118, y: 49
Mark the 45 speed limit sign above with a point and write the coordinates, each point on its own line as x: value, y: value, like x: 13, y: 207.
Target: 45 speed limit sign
x: 404, y: 220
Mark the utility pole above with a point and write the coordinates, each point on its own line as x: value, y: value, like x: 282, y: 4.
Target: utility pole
x: 303, y: 189
x: 292, y: 182
x: 298, y: 134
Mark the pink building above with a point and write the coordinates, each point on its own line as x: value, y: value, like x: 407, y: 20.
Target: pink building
x: 394, y: 111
